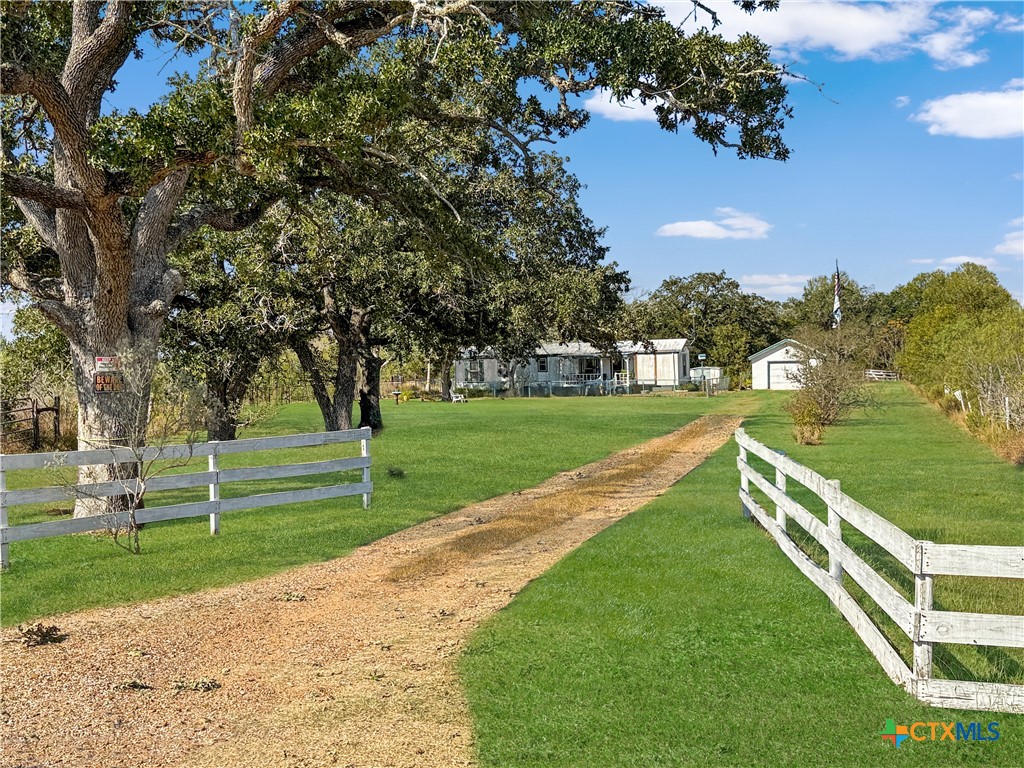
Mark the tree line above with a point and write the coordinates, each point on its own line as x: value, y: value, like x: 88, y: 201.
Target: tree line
x: 958, y: 336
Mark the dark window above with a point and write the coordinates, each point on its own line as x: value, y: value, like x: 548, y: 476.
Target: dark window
x: 474, y: 371
x: 542, y: 365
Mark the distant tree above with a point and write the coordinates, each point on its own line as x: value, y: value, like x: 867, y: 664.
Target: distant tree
x: 218, y: 329
x: 36, y: 360
x: 904, y: 301
x: 951, y: 308
x: 814, y: 307
x: 730, y: 348
x: 690, y: 307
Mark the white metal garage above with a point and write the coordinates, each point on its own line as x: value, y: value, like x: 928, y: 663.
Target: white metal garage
x: 775, y: 367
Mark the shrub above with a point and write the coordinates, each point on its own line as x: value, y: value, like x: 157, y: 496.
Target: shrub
x: 808, y: 420
x: 1011, y: 448
x: 831, y: 380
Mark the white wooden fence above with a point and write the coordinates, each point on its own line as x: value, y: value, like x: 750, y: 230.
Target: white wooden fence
x: 214, y: 477
x: 924, y: 559
x: 876, y: 375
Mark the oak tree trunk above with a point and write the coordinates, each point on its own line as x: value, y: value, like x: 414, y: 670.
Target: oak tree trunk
x: 111, y: 419
x: 335, y: 401
x: 225, y: 393
x: 369, y: 393
x: 446, y: 380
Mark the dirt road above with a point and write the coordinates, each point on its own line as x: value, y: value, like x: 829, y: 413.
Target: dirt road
x: 351, y: 662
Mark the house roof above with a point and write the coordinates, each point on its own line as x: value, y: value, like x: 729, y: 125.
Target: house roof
x: 572, y: 349
x: 660, y: 345
x: 582, y: 349
x: 775, y: 348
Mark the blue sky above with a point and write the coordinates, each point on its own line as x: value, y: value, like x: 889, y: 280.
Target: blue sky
x: 911, y: 159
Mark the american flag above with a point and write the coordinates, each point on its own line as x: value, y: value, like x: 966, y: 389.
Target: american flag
x: 837, y: 313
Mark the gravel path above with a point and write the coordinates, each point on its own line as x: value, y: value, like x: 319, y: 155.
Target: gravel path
x: 351, y: 662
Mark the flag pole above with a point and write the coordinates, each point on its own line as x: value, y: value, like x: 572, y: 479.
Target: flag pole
x: 837, y: 314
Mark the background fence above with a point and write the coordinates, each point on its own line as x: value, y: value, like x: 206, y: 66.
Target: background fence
x: 877, y: 375
x: 925, y: 560
x: 27, y: 421
x: 140, y: 485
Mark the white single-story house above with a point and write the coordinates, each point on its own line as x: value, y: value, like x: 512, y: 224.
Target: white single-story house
x: 582, y: 367
x: 775, y: 367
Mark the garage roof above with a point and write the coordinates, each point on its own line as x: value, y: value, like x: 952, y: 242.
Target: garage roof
x: 775, y: 348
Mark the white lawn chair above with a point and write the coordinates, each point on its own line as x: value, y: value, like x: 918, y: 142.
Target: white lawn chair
x: 456, y: 398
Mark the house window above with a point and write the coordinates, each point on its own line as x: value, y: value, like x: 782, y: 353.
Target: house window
x: 542, y: 365
x: 474, y: 371
x: 588, y: 366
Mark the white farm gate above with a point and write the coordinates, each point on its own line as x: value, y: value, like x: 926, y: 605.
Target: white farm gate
x: 926, y: 560
x: 214, y: 477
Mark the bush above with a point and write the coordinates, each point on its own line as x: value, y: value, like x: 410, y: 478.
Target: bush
x: 1011, y: 448
x: 948, y: 404
x: 831, y: 380
x: 808, y: 419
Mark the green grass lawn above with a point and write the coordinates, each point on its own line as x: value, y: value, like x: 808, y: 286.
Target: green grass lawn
x: 683, y: 636
x: 452, y: 455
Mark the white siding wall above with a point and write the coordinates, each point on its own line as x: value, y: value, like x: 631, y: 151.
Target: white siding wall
x: 770, y: 371
x: 662, y: 369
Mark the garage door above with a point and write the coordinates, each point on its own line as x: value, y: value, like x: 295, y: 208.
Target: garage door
x: 780, y: 375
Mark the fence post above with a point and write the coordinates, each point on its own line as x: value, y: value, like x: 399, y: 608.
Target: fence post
x: 214, y: 467
x: 5, y: 560
x: 364, y: 451
x: 780, y: 483
x: 35, y: 425
x: 835, y: 567
x: 744, y: 482
x: 56, y: 422
x: 923, y: 589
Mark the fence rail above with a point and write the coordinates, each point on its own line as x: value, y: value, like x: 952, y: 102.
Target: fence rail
x: 925, y: 560
x: 214, y: 478
x: 876, y: 375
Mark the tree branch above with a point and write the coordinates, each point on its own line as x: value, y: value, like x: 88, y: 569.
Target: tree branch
x: 87, y: 72
x: 374, y: 152
x: 218, y: 218
x: 156, y: 212
x: 245, y: 69
x: 36, y: 190
x: 68, y: 124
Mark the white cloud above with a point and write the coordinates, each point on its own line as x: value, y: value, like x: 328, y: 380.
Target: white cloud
x: 976, y: 115
x: 1013, y: 241
x: 958, y: 260
x: 732, y: 225
x: 1010, y: 24
x: 781, y: 285
x: 949, y: 47
x: 602, y: 103
x: 858, y: 30
x: 1017, y: 82
x: 922, y: 261
x: 901, y: 101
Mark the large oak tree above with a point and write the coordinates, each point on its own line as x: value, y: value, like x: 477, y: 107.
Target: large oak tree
x: 107, y: 196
